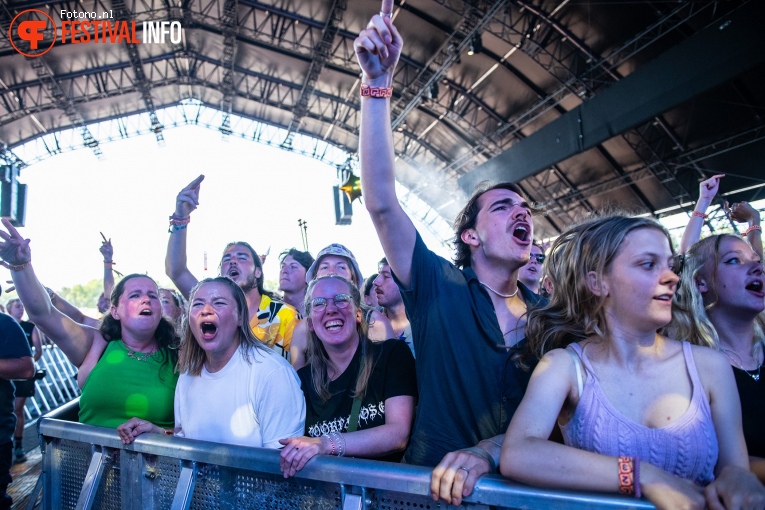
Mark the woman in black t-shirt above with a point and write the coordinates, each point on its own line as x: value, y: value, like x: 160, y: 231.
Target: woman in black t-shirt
x: 360, y: 396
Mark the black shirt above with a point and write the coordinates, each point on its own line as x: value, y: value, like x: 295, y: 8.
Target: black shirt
x: 752, y: 394
x: 393, y: 375
x: 28, y: 328
x: 469, y: 386
x: 13, y: 344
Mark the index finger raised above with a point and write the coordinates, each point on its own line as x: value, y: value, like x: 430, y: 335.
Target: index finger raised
x: 387, y: 7
x: 193, y: 184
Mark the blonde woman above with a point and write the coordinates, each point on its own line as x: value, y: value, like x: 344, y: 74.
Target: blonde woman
x: 720, y: 303
x: 639, y: 412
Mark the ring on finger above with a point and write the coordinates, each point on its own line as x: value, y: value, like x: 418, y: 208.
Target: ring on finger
x: 386, y: 14
x: 464, y: 468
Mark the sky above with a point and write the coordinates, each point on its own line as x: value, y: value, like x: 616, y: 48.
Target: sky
x: 251, y: 192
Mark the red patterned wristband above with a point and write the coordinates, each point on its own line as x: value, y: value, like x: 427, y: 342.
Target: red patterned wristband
x: 626, y: 475
x: 377, y: 92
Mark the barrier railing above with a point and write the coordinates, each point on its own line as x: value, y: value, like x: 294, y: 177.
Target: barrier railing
x: 88, y: 467
x: 58, y: 387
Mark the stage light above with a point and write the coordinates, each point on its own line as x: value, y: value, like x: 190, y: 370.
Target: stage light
x: 352, y: 187
x: 476, y: 45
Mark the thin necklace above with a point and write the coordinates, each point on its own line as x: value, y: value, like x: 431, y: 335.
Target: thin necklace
x: 138, y: 355
x: 740, y: 366
x: 499, y: 293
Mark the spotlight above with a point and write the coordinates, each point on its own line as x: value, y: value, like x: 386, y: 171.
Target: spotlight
x: 476, y: 45
x: 352, y: 187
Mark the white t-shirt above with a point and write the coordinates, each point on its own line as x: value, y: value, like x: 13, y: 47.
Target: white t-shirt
x: 249, y: 404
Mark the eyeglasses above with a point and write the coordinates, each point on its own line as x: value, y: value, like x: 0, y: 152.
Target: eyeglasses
x: 341, y: 301
x: 540, y: 257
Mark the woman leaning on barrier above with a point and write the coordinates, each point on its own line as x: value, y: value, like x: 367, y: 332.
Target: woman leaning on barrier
x: 127, y: 367
x: 360, y: 396
x: 639, y: 412
x: 721, y: 304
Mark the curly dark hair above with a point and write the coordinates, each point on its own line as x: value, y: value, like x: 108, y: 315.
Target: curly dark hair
x: 165, y: 335
x: 467, y: 217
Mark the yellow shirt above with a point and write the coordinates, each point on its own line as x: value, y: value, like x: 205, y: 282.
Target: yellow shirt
x: 274, y: 324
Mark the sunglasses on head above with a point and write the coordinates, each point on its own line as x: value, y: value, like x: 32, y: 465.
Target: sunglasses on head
x: 539, y: 257
x: 341, y: 301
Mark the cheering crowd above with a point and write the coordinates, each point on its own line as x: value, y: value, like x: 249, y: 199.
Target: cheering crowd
x: 609, y: 363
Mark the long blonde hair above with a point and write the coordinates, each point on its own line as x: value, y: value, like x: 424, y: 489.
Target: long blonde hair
x: 192, y: 357
x: 574, y: 313
x: 317, y: 354
x: 690, y: 318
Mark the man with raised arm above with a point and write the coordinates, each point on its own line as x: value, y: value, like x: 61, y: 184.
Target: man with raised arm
x: 272, y: 321
x: 467, y: 319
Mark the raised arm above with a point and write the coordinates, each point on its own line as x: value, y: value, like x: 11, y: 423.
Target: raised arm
x: 378, y: 48
x: 74, y: 339
x: 745, y: 213
x: 707, y: 191
x: 175, y: 260
x: 108, y: 252
x: 70, y: 310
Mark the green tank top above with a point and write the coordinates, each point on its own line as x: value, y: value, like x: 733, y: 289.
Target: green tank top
x: 120, y: 387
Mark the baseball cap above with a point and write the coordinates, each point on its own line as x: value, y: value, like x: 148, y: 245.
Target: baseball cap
x: 337, y: 250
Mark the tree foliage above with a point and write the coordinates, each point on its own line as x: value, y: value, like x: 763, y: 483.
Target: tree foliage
x: 83, y: 296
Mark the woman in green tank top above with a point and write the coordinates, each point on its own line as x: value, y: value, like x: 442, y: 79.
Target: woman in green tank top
x: 126, y: 368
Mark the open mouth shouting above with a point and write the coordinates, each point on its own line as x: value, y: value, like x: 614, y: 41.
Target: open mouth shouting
x: 522, y: 232
x: 146, y: 312
x: 209, y: 329
x: 756, y: 288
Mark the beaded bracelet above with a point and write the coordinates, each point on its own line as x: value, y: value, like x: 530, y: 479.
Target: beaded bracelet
x: 14, y: 267
x: 331, y: 443
x: 700, y: 215
x: 337, y: 437
x: 626, y: 475
x: 752, y: 229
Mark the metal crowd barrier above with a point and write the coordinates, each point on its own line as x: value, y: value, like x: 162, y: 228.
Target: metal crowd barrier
x: 86, y: 467
x: 58, y: 387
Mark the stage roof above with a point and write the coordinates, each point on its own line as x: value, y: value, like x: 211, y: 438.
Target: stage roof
x: 585, y: 104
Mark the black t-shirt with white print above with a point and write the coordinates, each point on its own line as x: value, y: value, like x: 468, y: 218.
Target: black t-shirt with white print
x: 393, y: 375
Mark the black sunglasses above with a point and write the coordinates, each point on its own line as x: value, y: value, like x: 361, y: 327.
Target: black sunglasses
x: 540, y: 257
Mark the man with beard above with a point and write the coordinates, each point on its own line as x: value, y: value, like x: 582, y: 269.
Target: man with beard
x: 468, y: 318
x: 272, y: 321
x: 389, y: 297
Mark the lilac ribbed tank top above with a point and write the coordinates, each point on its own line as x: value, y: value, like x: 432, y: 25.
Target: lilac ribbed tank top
x: 686, y: 448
